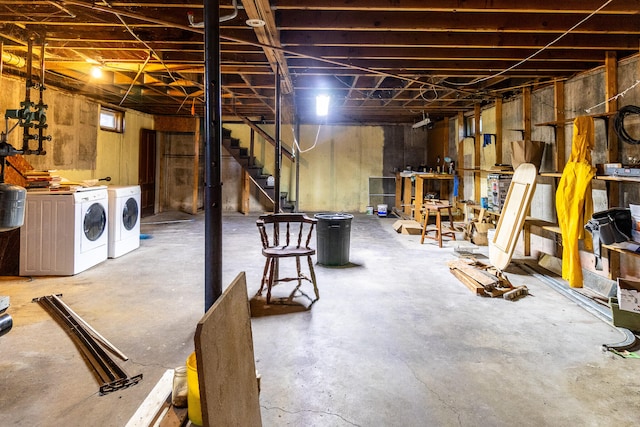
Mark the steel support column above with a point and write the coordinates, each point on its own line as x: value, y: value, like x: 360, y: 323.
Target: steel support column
x: 278, y: 157
x: 213, y: 156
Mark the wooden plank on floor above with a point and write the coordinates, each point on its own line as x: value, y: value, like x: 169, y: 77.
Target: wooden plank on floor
x: 226, y: 365
x: 482, y: 277
x: 149, y: 409
x: 474, y: 286
x: 175, y: 417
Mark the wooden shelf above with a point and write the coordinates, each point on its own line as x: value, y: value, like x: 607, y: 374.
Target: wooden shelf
x: 598, y: 177
x: 474, y: 170
x: 628, y: 248
x: 551, y: 174
x: 552, y: 228
x: 564, y: 122
x: 618, y: 178
x: 427, y: 175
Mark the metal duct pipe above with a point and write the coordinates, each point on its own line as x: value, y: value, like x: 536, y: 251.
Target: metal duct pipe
x: 15, y: 60
x: 225, y: 18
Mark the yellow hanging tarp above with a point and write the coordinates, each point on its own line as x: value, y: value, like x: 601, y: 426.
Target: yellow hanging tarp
x: 574, y: 203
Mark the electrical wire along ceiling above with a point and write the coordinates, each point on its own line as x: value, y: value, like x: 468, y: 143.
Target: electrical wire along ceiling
x: 380, y: 61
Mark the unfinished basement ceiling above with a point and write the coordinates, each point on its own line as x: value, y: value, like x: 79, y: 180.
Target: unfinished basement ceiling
x: 382, y: 61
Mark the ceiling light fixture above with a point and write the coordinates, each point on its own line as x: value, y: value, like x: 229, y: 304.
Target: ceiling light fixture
x: 255, y: 23
x: 322, y: 105
x: 96, y: 72
x: 424, y: 122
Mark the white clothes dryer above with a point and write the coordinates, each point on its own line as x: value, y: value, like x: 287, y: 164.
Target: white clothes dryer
x: 124, y: 219
x: 64, y: 232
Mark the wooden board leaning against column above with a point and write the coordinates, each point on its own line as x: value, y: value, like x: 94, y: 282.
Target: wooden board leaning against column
x: 226, y: 366
x: 513, y: 214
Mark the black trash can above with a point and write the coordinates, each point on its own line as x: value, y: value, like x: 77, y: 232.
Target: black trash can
x: 333, y: 235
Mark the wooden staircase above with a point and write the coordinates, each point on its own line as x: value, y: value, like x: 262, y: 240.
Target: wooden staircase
x: 255, y: 170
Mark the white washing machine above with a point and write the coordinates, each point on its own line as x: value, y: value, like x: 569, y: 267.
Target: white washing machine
x: 124, y: 219
x: 64, y: 232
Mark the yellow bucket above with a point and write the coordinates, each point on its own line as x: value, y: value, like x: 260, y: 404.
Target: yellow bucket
x: 193, y: 391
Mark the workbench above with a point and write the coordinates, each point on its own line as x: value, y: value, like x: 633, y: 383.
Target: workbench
x: 411, y: 188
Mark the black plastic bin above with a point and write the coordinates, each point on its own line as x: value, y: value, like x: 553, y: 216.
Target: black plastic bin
x: 333, y: 234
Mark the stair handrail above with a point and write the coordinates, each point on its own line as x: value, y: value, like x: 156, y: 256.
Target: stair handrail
x: 288, y: 154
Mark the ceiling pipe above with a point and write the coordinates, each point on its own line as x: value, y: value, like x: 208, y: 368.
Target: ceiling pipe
x: 225, y: 18
x: 258, y: 44
x: 14, y: 60
x: 62, y: 8
x: 133, y: 82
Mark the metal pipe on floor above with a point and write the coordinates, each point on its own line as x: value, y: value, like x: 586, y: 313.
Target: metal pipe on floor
x: 213, y: 156
x: 91, y: 330
x: 630, y: 338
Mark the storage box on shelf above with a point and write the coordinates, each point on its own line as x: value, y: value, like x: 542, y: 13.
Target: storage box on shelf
x: 629, y: 295
x: 497, y: 189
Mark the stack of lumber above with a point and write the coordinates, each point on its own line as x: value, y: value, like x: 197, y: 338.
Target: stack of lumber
x: 37, y: 180
x: 15, y: 169
x: 20, y: 172
x: 484, y: 280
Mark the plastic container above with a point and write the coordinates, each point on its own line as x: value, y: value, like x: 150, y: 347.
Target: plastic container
x: 382, y: 210
x: 193, y: 393
x: 623, y: 318
x: 333, y: 235
x: 369, y: 210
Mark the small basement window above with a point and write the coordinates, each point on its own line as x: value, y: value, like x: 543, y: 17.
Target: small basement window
x: 111, y: 120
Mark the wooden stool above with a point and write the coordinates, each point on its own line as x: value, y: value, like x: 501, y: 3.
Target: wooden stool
x: 437, y: 207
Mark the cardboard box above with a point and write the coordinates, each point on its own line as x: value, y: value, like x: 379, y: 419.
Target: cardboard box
x: 629, y: 295
x: 408, y: 226
x: 607, y: 168
x: 477, y: 232
x: 527, y: 152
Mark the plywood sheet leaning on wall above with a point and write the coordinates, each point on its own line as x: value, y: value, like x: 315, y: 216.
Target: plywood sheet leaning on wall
x: 226, y: 366
x: 513, y: 215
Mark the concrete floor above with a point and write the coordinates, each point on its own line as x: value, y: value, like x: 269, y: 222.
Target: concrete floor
x: 395, y: 339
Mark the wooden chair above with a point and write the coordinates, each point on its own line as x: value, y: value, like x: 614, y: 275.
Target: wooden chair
x: 286, y: 235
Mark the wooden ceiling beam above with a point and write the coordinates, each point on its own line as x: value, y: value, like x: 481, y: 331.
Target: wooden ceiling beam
x: 495, y: 6
x: 293, y: 39
x: 462, y: 53
x: 401, y: 20
x: 269, y: 36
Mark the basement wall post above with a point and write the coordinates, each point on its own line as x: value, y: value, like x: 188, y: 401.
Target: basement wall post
x: 558, y: 101
x: 613, y: 153
x: 460, y: 145
x: 477, y: 152
x: 499, y: 130
x: 526, y: 113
